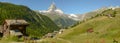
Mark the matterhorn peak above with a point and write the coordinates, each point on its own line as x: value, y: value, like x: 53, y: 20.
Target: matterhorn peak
x: 52, y: 6
x: 53, y: 9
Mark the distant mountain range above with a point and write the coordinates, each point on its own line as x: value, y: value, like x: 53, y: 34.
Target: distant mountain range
x: 58, y: 16
x: 66, y: 20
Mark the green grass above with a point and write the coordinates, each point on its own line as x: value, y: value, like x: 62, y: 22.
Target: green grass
x: 105, y: 30
x: 9, y: 39
x: 54, y: 40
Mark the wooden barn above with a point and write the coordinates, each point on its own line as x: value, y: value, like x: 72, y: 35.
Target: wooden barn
x: 15, y: 27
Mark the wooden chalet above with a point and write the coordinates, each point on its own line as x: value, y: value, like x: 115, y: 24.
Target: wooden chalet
x: 16, y: 27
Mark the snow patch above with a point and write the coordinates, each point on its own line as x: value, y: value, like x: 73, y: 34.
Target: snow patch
x: 74, y: 17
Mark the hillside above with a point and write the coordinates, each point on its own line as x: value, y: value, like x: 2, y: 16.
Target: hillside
x: 105, y: 30
x: 62, y: 20
x: 98, y: 11
x: 39, y: 24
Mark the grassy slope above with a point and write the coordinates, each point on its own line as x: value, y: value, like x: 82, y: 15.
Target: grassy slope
x: 108, y: 29
x: 105, y: 30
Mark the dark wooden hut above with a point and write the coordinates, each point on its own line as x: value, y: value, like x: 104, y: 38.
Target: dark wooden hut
x: 16, y: 27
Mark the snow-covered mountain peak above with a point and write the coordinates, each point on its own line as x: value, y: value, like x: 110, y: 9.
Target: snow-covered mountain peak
x: 53, y: 9
x: 73, y: 15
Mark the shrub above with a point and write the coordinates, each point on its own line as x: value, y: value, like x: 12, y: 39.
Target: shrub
x: 10, y: 38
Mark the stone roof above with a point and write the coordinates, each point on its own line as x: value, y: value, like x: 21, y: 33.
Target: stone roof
x: 16, y: 22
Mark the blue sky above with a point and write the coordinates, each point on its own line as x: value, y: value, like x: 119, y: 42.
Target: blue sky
x: 68, y: 6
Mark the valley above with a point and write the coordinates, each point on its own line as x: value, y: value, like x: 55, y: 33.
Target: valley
x: 105, y: 30
x: 21, y: 24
